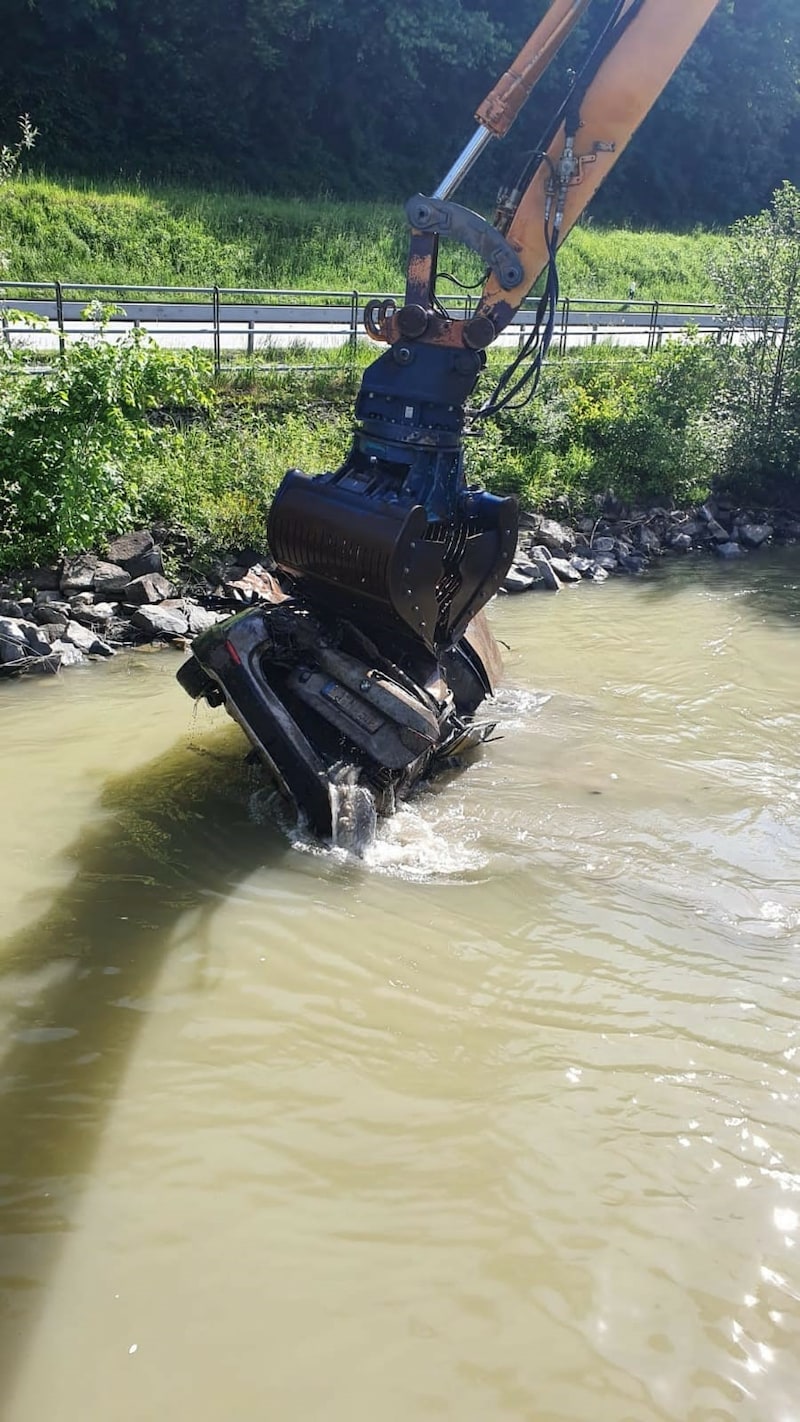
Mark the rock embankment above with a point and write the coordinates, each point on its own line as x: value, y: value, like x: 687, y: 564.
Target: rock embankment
x: 91, y: 607
x: 551, y: 555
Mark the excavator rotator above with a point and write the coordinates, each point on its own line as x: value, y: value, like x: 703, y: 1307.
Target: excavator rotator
x: 395, y: 537
x: 365, y: 674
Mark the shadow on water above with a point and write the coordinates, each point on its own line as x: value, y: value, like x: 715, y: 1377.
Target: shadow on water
x: 768, y: 582
x: 174, y: 837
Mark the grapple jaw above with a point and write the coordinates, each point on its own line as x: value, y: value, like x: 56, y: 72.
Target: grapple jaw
x: 379, y: 559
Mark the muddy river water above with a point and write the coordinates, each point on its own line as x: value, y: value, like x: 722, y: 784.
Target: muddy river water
x: 499, y: 1125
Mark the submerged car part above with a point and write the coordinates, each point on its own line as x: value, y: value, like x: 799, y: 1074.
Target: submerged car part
x: 338, y: 722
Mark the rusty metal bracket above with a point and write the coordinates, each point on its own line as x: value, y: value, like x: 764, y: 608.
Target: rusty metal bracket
x: 450, y: 219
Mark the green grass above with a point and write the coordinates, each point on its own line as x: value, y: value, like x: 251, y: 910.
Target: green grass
x: 156, y: 236
x: 214, y: 481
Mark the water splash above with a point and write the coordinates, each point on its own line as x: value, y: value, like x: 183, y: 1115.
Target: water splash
x: 354, y: 817
x: 421, y: 842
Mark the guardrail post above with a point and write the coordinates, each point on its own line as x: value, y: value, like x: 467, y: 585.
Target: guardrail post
x: 62, y: 339
x: 653, y: 341
x: 353, y: 342
x: 251, y: 339
x: 217, y: 333
x: 565, y: 314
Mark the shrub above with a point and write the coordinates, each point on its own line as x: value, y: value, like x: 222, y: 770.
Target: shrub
x: 72, y: 440
x: 641, y: 425
x: 758, y: 280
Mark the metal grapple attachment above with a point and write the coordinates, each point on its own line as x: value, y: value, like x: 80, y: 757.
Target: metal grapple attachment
x: 372, y: 555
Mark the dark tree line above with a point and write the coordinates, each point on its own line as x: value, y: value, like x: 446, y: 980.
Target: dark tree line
x: 363, y: 97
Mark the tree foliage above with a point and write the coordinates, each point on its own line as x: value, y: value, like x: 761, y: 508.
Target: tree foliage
x: 375, y: 96
x: 758, y: 282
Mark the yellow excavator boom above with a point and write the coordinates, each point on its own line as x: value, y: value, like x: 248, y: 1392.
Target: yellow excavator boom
x: 656, y: 36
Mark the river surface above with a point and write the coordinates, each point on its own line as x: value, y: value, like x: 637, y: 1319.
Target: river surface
x: 499, y: 1125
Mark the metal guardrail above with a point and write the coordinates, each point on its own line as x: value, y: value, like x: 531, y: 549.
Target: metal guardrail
x: 251, y: 319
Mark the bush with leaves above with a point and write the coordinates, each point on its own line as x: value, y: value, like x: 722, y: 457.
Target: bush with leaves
x: 644, y: 426
x: 74, y: 440
x: 758, y: 282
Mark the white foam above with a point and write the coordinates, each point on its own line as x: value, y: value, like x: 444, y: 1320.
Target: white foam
x: 420, y: 843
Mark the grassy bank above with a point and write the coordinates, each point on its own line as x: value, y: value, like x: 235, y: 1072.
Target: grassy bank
x: 118, y: 436
x: 171, y: 236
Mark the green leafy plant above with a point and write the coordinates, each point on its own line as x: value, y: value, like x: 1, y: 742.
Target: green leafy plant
x: 758, y: 282
x: 641, y: 425
x: 72, y: 440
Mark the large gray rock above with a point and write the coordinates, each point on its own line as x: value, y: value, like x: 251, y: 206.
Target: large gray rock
x: 11, y: 627
x: 752, y: 535
x: 603, y: 545
x: 10, y: 608
x: 584, y: 566
x: 564, y: 570
x: 158, y: 622
x: 52, y: 631
x: 201, y: 618
x: 649, y: 541
x: 13, y: 645
x: 87, y: 573
x: 607, y: 562
x: 728, y: 550
x: 149, y: 589
x: 136, y: 553
x: 548, y: 575
x: 515, y: 581
x: 38, y: 644
x: 70, y: 655
x: 555, y: 536
x: 21, y: 642
x: 86, y: 640
x: 717, y: 532
x: 681, y: 542
x: 94, y: 614
x: 110, y: 578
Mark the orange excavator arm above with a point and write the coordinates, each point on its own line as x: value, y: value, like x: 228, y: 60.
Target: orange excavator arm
x: 641, y: 46
x: 643, y: 50
x: 397, y: 537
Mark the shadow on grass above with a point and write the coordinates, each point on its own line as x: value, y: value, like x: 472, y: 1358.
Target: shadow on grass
x: 174, y: 837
